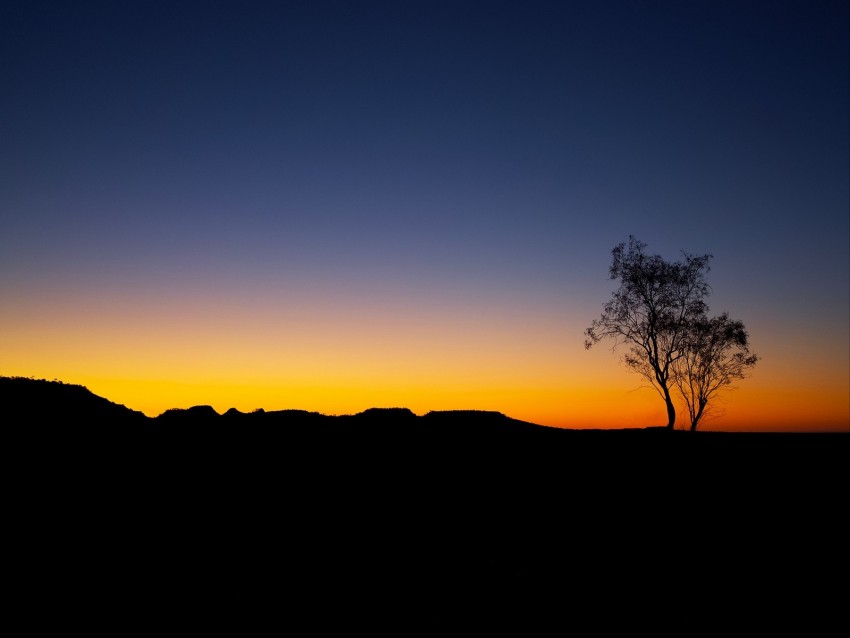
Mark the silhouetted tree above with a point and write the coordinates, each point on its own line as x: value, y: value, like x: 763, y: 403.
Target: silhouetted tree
x: 717, y: 352
x: 651, y: 312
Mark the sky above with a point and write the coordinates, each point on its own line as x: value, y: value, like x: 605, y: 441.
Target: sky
x: 333, y: 206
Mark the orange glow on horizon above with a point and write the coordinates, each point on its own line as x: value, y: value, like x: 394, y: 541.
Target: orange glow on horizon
x: 615, y: 407
x: 152, y: 354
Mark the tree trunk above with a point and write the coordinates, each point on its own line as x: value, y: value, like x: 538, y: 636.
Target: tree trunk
x: 671, y: 410
x: 696, y: 419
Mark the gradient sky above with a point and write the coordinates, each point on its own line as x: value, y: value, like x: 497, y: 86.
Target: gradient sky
x: 334, y: 206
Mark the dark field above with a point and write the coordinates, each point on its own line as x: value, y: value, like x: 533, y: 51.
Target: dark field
x: 424, y: 514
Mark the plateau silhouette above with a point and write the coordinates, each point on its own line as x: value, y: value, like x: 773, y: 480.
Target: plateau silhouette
x: 471, y: 500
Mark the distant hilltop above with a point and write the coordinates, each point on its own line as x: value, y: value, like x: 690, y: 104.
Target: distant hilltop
x: 43, y: 401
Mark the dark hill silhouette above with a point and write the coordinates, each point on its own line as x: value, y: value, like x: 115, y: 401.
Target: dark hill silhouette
x: 40, y: 401
x: 468, y: 501
x: 68, y: 411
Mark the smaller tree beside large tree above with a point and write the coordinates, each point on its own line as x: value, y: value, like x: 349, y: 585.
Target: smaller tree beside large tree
x: 717, y: 353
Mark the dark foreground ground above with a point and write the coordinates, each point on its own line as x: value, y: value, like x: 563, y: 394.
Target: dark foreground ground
x: 390, y: 521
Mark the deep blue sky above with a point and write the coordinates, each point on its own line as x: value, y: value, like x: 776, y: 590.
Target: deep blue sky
x: 484, y: 150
